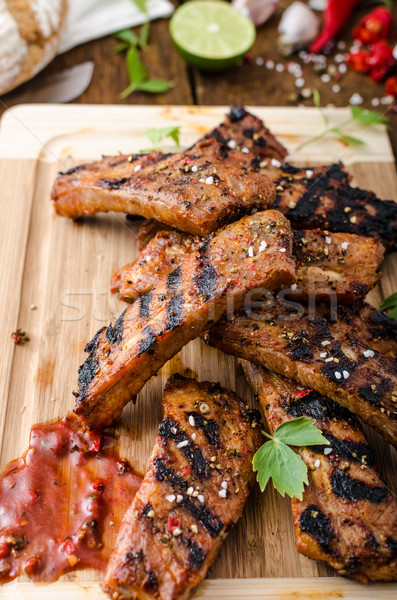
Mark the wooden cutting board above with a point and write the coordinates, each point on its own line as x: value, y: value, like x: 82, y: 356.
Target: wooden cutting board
x: 64, y: 269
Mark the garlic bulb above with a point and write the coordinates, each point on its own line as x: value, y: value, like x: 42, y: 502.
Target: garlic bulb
x: 258, y: 11
x: 298, y: 27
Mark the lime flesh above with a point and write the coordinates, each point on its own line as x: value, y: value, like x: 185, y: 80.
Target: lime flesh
x: 211, y: 34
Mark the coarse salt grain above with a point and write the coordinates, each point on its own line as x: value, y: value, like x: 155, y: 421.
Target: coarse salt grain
x: 327, y: 451
x: 356, y: 99
x: 346, y: 374
x: 299, y: 82
x: 194, y: 435
x: 194, y: 169
x: 275, y: 162
x: 179, y: 498
x: 245, y: 150
x: 182, y: 444
x: 317, y: 463
x: 201, y: 498
x: 309, y: 173
x: 232, y: 143
x: 325, y: 78
x: 369, y: 353
x: 263, y: 246
x: 137, y: 168
x: 327, y: 360
x: 293, y: 287
x: 328, y: 240
x: 173, y: 430
x: 259, y: 61
x: 375, y: 101
x: 189, y: 491
x: 283, y: 250
x: 223, y: 493
x: 209, y: 180
x: 270, y: 64
x: 250, y: 251
x: 336, y: 88
x: 279, y: 67
x: 170, y: 498
x: 194, y: 528
x: 323, y: 354
x: 342, y: 68
x: 224, y: 485
x: 192, y: 422
x: 325, y: 343
x: 345, y: 245
x: 338, y: 375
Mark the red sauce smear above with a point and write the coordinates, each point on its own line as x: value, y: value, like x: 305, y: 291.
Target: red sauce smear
x: 61, y: 504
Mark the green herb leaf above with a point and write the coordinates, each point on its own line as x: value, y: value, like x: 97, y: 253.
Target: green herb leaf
x: 144, y: 35
x: 389, y: 302
x: 128, y: 90
x: 141, y: 5
x: 154, y: 86
x: 157, y: 135
x: 277, y: 461
x: 317, y: 103
x: 369, y: 117
x: 120, y: 48
x: 349, y: 140
x: 136, y: 69
x: 127, y: 36
x: 393, y: 314
x: 300, y: 432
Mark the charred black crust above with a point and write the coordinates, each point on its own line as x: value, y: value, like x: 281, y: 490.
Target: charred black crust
x: 290, y: 169
x: 93, y: 344
x: 352, y: 489
x: 174, y: 311
x: 72, y: 170
x: 114, y: 334
x: 209, y: 427
x: 206, y: 282
x: 317, y: 524
x: 146, y: 344
x: 375, y: 393
x: 146, y: 509
x: 114, y: 184
x: 317, y: 407
x: 174, y: 279
x: 87, y: 372
x: 164, y: 473
x: 144, y: 304
x: 196, y: 554
x: 203, y: 515
x: 392, y: 544
x: 170, y: 430
x: 236, y: 114
x: 351, y: 451
x: 385, y: 327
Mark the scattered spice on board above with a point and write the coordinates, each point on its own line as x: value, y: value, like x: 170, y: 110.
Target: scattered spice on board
x: 20, y: 336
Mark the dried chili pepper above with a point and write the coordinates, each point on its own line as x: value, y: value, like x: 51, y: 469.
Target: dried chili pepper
x: 380, y: 60
x: 359, y: 61
x: 375, y: 26
x: 391, y: 86
x: 335, y: 16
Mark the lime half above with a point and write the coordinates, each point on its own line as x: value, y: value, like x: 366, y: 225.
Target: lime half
x: 211, y: 34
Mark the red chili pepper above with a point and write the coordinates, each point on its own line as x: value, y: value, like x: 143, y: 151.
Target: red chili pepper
x: 173, y: 523
x: 301, y: 393
x: 68, y: 547
x: 98, y: 485
x: 359, y: 61
x: 4, y: 550
x: 380, y: 60
x: 374, y: 27
x: 391, y: 86
x: 335, y: 16
x: 186, y: 470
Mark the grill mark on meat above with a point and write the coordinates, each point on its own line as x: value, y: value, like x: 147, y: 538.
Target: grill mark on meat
x: 170, y: 430
x: 164, y: 473
x: 175, y: 311
x: 351, y: 451
x: 114, y: 334
x: 207, y: 281
x: 204, y: 516
x: 87, y: 372
x: 113, y: 184
x: 315, y: 522
x: 316, y: 407
x: 209, y: 426
x: 237, y: 113
x: 352, y: 489
x: 196, y: 554
x: 92, y: 345
x: 144, y: 307
x: 174, y: 279
x: 147, y: 343
x: 375, y: 393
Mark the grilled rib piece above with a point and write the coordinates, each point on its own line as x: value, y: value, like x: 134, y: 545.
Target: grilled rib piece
x: 328, y: 357
x: 347, y: 516
x: 339, y: 264
x: 198, y: 480
x: 322, y: 198
x: 195, y: 193
x: 252, y: 253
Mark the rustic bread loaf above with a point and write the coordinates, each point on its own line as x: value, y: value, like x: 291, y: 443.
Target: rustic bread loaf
x: 29, y: 38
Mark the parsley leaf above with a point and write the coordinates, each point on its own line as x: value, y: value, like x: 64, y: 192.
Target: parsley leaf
x: 154, y: 86
x: 158, y: 135
x: 369, y: 117
x: 136, y: 69
x: 141, y: 5
x: 349, y: 140
x: 390, y: 303
x: 127, y: 36
x: 275, y: 460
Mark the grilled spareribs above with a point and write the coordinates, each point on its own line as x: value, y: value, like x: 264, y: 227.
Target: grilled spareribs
x: 187, y: 191
x: 199, y: 477
x: 253, y: 253
x: 338, y: 265
x: 331, y: 358
x: 347, y: 515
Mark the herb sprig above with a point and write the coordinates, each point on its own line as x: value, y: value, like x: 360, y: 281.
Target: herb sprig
x: 277, y: 461
x: 358, y: 114
x: 131, y: 44
x: 390, y: 304
x: 157, y: 135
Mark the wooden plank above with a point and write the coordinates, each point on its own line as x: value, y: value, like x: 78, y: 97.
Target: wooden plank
x: 64, y: 268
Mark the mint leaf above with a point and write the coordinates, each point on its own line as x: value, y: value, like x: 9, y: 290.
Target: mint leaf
x: 277, y: 461
x: 389, y: 302
x: 127, y: 36
x: 369, y: 117
x: 300, y: 432
x: 144, y: 35
x: 157, y: 135
x: 141, y: 5
x: 136, y: 69
x: 154, y: 86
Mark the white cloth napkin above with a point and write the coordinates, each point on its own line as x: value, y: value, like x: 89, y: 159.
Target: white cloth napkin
x: 91, y: 19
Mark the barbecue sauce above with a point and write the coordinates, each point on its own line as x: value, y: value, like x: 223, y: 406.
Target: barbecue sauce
x: 61, y: 504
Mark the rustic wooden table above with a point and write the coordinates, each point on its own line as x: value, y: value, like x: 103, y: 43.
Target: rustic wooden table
x: 247, y: 84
